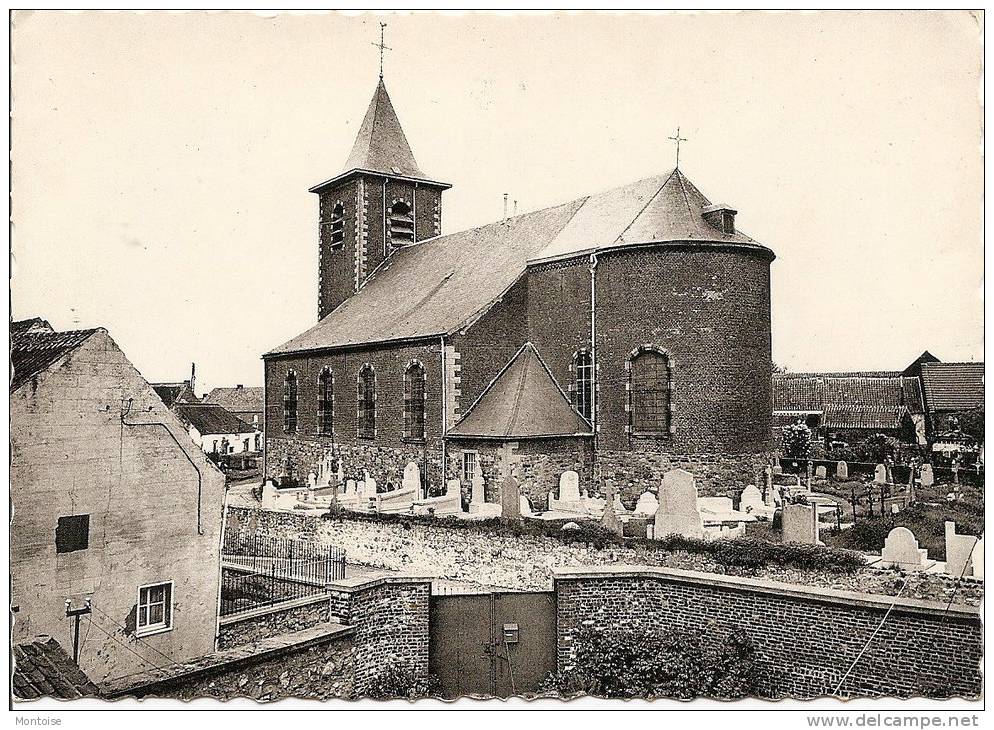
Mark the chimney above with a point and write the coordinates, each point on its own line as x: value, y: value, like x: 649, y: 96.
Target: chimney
x: 720, y: 216
x: 505, y: 207
x: 239, y: 386
x: 193, y: 377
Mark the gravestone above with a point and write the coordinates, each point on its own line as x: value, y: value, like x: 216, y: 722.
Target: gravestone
x: 928, y: 476
x: 524, y: 506
x: 880, y: 474
x: 453, y: 486
x: 350, y: 486
x: 959, y: 551
x: 412, y: 477
x: 842, y: 470
x: 369, y: 487
x: 647, y: 505
x: 569, y: 487
x: 510, y: 498
x: 777, y: 470
x: 312, y: 480
x: 978, y: 560
x: 821, y: 472
x: 800, y: 524
x: 901, y: 550
x: 751, y: 500
x: 479, y: 494
x: 678, y: 513
x: 610, y: 521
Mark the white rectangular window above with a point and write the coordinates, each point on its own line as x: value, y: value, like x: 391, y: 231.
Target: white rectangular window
x: 155, y: 608
x: 468, y: 466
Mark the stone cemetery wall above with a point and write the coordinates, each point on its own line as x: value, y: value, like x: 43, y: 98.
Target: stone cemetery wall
x: 261, y: 623
x: 805, y: 639
x: 316, y: 663
x: 390, y: 616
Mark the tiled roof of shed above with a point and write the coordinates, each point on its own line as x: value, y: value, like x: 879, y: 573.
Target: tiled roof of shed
x: 523, y: 401
x: 864, y: 417
x: 439, y: 285
x: 209, y: 418
x: 860, y: 395
x: 32, y: 351
x: 42, y: 668
x: 953, y: 386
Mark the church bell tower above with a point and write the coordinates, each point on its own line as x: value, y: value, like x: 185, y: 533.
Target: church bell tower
x: 381, y: 203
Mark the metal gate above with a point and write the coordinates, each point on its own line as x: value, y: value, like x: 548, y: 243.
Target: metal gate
x: 492, y: 644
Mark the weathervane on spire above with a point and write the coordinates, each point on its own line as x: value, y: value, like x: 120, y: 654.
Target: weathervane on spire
x: 678, y: 139
x: 384, y: 47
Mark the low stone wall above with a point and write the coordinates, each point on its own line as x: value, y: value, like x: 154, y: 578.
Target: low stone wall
x: 260, y: 623
x: 806, y: 640
x: 316, y: 663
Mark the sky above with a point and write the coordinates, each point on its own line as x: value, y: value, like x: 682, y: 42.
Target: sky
x: 161, y: 161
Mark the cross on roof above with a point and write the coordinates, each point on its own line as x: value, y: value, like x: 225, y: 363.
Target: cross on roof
x: 384, y: 47
x: 678, y: 139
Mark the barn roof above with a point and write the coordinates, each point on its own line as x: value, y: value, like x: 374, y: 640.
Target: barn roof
x: 849, y: 399
x: 440, y: 285
x: 34, y: 349
x: 523, y: 401
x: 953, y: 386
x: 42, y: 668
x: 209, y: 418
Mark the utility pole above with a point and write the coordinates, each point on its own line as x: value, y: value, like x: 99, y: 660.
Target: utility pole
x: 75, y: 614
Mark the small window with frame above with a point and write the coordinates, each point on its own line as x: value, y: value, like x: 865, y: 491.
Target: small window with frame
x: 155, y: 608
x: 468, y: 466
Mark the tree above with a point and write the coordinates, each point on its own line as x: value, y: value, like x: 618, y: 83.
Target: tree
x: 796, y: 440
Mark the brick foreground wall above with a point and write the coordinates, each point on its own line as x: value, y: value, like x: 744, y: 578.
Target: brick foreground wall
x: 805, y: 638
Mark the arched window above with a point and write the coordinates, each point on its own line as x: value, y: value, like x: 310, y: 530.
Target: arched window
x: 583, y: 384
x: 290, y: 402
x: 326, y: 402
x: 414, y: 401
x: 400, y: 224
x: 650, y: 392
x: 367, y: 403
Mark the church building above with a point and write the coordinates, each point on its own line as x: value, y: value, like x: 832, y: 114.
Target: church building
x: 621, y: 334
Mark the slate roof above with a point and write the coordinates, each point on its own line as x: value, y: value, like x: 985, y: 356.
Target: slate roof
x: 43, y: 669
x: 209, y: 418
x: 33, y: 350
x: 951, y: 386
x: 36, y: 324
x: 172, y: 393
x: 849, y: 400
x: 380, y: 145
x: 523, y: 401
x: 439, y: 285
x: 237, y: 400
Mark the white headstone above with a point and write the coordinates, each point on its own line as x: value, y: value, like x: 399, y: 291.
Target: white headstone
x: 842, y: 470
x: 978, y: 559
x: 569, y: 487
x: 800, y: 524
x: 821, y: 472
x: 525, y: 505
x: 453, y: 486
x: 880, y: 474
x: 647, y: 505
x: 479, y: 494
x: 369, y: 487
x: 269, y: 497
x: 341, y: 471
x: 901, y: 550
x: 751, y: 500
x: 678, y: 513
x: 778, y: 470
x: 959, y: 551
x: 412, y: 477
x: 570, y: 526
x: 928, y: 476
x: 312, y: 480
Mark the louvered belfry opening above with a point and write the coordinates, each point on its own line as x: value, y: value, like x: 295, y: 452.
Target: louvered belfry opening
x: 400, y: 224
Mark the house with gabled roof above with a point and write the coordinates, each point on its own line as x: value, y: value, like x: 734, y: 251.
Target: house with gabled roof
x: 116, y: 513
x: 647, y: 304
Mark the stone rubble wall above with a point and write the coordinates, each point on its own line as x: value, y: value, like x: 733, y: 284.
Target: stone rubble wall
x: 273, y: 621
x: 805, y: 639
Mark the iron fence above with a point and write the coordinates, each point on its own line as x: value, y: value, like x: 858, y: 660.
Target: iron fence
x: 264, y: 571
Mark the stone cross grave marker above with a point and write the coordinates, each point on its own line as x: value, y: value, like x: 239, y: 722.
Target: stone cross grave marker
x: 678, y: 512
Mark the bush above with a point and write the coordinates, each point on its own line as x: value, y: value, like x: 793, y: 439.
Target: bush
x: 627, y: 663
x: 393, y: 682
x: 743, y: 552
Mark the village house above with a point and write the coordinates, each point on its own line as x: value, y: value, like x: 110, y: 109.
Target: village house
x: 913, y: 405
x: 179, y: 392
x: 115, y: 534
x: 217, y: 431
x: 645, y: 306
x: 245, y: 403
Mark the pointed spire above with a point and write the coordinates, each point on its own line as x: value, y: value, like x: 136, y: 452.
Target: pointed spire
x: 381, y: 145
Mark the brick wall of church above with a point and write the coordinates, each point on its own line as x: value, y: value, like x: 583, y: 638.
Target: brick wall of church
x: 385, y: 456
